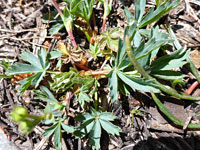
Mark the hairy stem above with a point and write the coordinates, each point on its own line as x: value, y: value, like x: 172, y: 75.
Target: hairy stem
x: 134, y: 61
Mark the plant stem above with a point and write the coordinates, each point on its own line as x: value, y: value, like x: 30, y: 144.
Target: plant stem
x: 170, y: 115
x: 103, y: 25
x: 192, y: 87
x: 134, y: 61
x: 94, y: 24
x: 104, y: 19
x: 72, y: 38
x: 85, y: 32
x: 158, y: 85
x: 96, y: 100
x: 57, y: 7
x: 68, y: 24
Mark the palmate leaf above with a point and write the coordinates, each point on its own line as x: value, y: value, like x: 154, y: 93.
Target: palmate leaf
x: 82, y: 98
x: 143, y: 53
x: 37, y: 65
x: 56, y: 130
x: 92, y: 123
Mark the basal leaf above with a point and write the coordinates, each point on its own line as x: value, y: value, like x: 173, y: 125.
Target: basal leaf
x: 153, y: 16
x: 42, y: 56
x: 55, y: 54
x: 83, y: 9
x: 38, y: 78
x: 32, y: 59
x: 121, y: 52
x: 25, y: 84
x: 84, y: 128
x: 137, y: 39
x: 38, y: 65
x: 83, y: 117
x: 176, y: 42
x: 151, y: 45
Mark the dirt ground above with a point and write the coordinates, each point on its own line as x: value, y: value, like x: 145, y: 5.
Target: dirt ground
x: 22, y: 28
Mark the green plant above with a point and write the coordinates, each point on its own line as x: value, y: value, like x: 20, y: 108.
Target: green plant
x: 92, y: 124
x: 134, y: 65
x: 26, y: 121
x: 54, y: 111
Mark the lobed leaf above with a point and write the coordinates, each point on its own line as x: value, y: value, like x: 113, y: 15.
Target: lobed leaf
x: 139, y: 9
x: 45, y: 95
x: 153, y: 16
x: 138, y: 83
x: 95, y: 134
x: 174, y: 60
x: 109, y: 127
x: 113, y: 85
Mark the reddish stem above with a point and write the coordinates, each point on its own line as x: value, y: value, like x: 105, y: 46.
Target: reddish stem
x: 57, y: 7
x: 103, y: 25
x: 69, y: 30
x: 72, y: 38
x: 192, y: 87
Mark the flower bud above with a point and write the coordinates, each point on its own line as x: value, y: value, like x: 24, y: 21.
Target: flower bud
x: 19, y: 114
x: 26, y: 126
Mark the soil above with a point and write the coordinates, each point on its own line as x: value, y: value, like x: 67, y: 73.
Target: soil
x: 22, y: 28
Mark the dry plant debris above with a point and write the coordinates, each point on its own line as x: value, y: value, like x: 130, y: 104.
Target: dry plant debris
x: 88, y: 74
